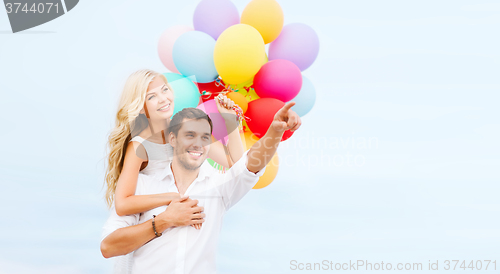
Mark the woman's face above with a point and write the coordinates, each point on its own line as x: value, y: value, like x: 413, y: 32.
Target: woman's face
x: 159, y: 104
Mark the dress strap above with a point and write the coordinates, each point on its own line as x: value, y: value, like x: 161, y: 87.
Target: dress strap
x: 137, y: 139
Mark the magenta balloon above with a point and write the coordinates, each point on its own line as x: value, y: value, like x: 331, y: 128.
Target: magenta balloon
x: 214, y: 16
x: 298, y: 43
x: 279, y: 79
x: 219, y: 125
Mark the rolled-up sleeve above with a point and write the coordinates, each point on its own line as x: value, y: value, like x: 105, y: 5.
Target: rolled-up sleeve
x: 238, y: 181
x: 115, y: 222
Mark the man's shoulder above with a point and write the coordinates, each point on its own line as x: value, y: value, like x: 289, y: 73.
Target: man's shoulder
x: 207, y: 169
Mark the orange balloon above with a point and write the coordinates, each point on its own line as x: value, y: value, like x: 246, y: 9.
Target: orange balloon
x: 249, y: 139
x: 269, y: 174
x: 238, y: 99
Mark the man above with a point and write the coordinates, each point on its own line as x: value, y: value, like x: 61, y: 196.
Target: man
x: 162, y: 239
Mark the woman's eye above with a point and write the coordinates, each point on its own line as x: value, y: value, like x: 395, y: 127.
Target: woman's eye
x: 165, y: 90
x: 206, y: 138
x: 151, y: 97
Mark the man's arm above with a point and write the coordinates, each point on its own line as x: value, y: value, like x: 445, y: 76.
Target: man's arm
x: 246, y: 172
x: 181, y: 212
x: 127, y: 239
x: 263, y: 150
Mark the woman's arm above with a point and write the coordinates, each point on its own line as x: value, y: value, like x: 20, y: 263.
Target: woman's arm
x: 126, y: 203
x: 235, y: 148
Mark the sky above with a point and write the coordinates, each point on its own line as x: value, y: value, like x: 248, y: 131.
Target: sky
x: 397, y: 162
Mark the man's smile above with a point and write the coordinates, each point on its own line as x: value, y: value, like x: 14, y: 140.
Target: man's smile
x: 195, y: 154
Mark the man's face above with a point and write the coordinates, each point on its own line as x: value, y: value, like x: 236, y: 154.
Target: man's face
x: 192, y: 143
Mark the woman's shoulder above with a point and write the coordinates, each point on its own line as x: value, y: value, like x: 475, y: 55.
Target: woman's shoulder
x: 136, y: 147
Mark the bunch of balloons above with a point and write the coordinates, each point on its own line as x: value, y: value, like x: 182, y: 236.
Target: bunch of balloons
x: 225, y: 53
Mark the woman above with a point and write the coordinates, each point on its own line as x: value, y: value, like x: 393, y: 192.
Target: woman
x: 137, y: 143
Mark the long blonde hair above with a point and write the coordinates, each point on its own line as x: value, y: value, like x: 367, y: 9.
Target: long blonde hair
x: 129, y: 123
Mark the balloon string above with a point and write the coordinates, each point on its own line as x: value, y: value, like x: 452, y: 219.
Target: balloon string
x: 219, y: 82
x: 237, y: 109
x: 227, y: 88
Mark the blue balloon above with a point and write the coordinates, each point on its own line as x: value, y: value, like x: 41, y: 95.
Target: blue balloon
x: 193, y: 54
x: 304, y: 101
x: 186, y: 93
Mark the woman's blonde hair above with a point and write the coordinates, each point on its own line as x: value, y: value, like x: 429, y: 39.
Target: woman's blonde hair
x: 129, y: 123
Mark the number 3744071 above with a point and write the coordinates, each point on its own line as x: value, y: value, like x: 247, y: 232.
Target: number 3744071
x: 34, y: 8
x: 470, y: 265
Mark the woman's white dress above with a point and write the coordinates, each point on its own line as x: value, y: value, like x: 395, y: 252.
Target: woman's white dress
x: 159, y: 156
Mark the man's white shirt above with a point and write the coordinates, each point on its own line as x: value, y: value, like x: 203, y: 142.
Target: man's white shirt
x: 186, y: 249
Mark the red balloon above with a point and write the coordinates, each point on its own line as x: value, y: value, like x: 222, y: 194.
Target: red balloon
x: 261, y: 113
x: 213, y: 88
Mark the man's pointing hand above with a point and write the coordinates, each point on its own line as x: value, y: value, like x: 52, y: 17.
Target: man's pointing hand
x: 286, y: 119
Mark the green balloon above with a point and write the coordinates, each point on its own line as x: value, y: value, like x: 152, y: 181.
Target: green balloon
x: 186, y: 93
x: 214, y: 164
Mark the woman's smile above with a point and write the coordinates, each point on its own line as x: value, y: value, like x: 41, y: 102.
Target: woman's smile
x: 165, y: 108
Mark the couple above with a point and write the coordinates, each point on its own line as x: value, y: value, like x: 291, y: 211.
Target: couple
x: 178, y: 205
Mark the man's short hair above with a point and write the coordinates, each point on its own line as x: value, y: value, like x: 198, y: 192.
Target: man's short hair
x: 187, y: 113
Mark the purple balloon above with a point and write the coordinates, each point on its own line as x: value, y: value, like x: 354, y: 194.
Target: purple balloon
x: 214, y: 16
x: 297, y: 43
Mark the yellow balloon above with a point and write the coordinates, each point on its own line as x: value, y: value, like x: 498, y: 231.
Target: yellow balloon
x: 245, y: 129
x: 241, y: 86
x: 266, y: 16
x: 248, y: 139
x: 251, y: 95
x: 239, y: 53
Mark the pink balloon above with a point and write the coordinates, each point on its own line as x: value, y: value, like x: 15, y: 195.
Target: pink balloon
x: 166, y: 45
x: 279, y: 79
x: 219, y: 126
